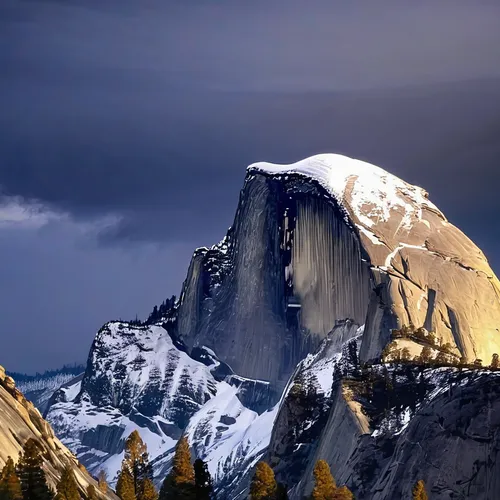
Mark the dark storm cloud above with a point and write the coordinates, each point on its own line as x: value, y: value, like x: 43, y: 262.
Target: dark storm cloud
x: 58, y: 289
x: 176, y: 175
x: 148, y: 112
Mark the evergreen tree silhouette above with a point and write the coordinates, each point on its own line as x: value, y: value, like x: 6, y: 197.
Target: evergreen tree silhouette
x: 125, y: 485
x: 419, y: 492
x: 91, y: 492
x: 263, y: 486
x: 135, y: 480
x: 31, y: 474
x: 67, y: 489
x: 202, y: 481
x: 179, y: 484
x: 324, y: 484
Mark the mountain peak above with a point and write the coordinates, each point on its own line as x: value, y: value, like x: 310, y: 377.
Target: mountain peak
x: 368, y: 191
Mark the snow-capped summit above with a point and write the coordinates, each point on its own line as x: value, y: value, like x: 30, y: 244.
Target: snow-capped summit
x: 369, y: 191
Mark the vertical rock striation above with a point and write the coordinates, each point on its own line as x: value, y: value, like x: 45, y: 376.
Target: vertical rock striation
x: 291, y: 269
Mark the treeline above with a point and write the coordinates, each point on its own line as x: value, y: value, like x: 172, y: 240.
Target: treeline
x: 159, y: 313
x: 27, y: 481
x: 74, y: 369
x: 446, y: 355
x: 186, y: 481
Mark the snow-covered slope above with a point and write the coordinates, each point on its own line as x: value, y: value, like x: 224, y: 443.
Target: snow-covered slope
x: 357, y: 185
x: 137, y: 378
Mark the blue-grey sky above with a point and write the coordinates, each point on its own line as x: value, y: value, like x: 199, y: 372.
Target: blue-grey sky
x: 126, y: 126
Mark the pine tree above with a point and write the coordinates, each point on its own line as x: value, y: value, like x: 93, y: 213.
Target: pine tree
x: 32, y: 477
x: 405, y: 355
x: 494, y: 362
x: 202, y: 480
x: 135, y: 480
x: 419, y: 492
x: 10, y: 486
x: 183, y: 471
x: 179, y: 484
x: 426, y: 355
x: 167, y: 488
x: 102, y: 481
x: 441, y: 359
x: 263, y: 486
x: 67, y: 489
x: 325, y: 487
x: 343, y: 493
x: 125, y: 485
x: 147, y: 490
x: 281, y: 492
x: 324, y: 484
x: 91, y: 492
x: 136, y: 459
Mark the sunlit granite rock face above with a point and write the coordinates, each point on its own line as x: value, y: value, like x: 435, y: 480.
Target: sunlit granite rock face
x: 20, y: 421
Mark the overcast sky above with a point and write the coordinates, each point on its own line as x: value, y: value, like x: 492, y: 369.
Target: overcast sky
x: 126, y: 127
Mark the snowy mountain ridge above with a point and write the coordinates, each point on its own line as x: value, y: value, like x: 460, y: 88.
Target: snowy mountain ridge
x: 138, y: 379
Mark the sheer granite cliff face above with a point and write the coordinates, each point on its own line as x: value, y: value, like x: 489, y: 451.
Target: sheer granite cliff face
x: 20, y: 421
x: 291, y: 268
x: 329, y: 239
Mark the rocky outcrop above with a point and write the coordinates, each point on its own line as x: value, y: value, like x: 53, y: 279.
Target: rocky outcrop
x: 20, y: 421
x: 457, y: 438
x: 392, y: 426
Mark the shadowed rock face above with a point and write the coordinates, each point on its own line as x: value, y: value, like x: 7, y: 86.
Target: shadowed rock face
x: 291, y: 268
x: 458, y: 436
x: 386, y: 427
